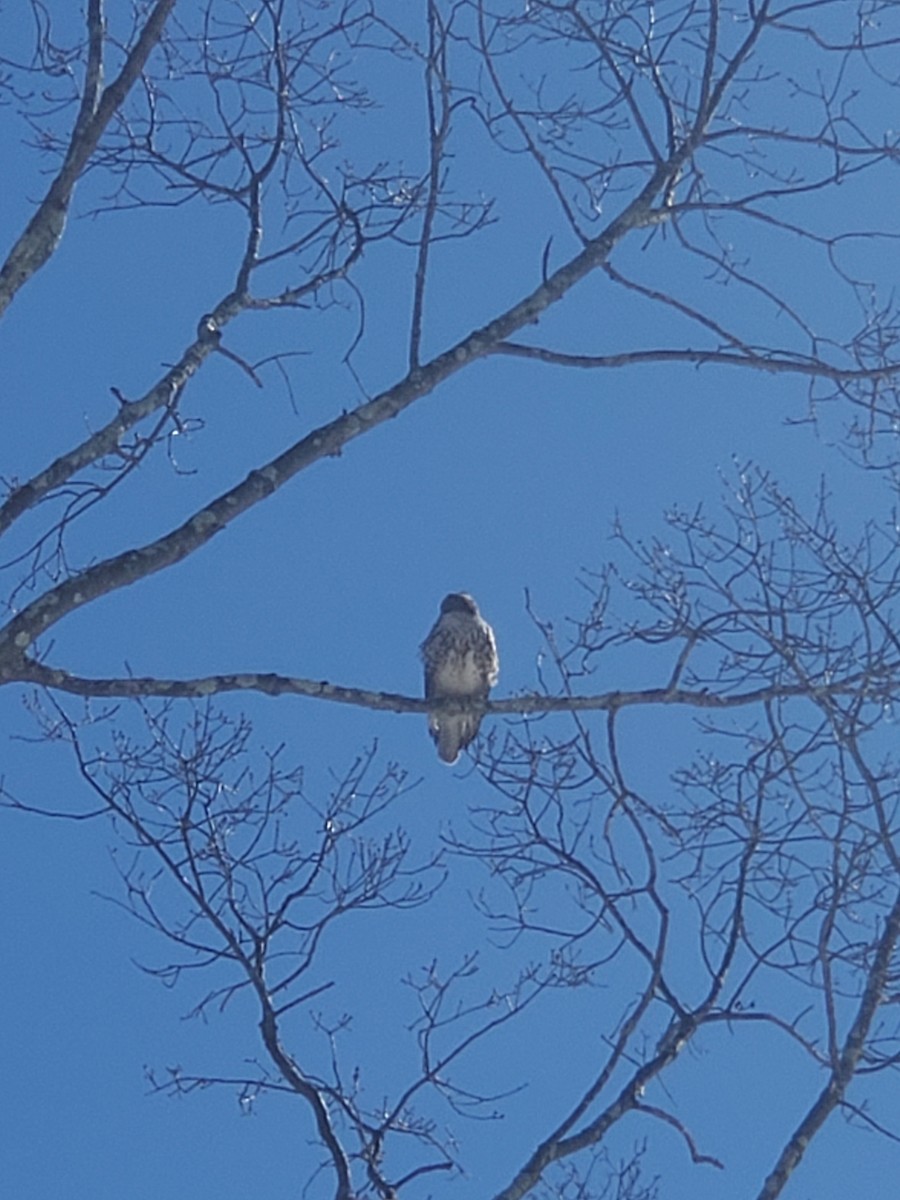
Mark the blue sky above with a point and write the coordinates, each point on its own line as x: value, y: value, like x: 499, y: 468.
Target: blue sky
x: 508, y: 478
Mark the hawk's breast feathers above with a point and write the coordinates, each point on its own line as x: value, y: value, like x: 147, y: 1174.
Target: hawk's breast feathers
x: 460, y: 657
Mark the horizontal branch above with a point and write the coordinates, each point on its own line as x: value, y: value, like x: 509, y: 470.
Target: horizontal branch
x: 777, y: 362
x: 271, y: 684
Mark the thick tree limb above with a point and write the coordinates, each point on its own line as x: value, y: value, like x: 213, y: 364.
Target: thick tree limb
x: 327, y: 440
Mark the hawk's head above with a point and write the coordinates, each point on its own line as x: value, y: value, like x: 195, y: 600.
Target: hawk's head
x: 459, y: 602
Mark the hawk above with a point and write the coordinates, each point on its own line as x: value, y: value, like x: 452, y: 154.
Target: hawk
x: 460, y: 657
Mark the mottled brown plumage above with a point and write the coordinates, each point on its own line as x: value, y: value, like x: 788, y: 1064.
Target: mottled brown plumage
x: 460, y: 657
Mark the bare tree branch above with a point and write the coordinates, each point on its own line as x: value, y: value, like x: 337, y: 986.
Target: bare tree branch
x: 43, y: 232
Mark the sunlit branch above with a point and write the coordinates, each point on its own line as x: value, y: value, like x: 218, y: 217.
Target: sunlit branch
x: 28, y: 671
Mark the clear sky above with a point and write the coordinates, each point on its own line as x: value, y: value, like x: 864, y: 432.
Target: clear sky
x: 509, y: 478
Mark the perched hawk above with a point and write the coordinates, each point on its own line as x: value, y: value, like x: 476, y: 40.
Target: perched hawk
x: 460, y: 658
